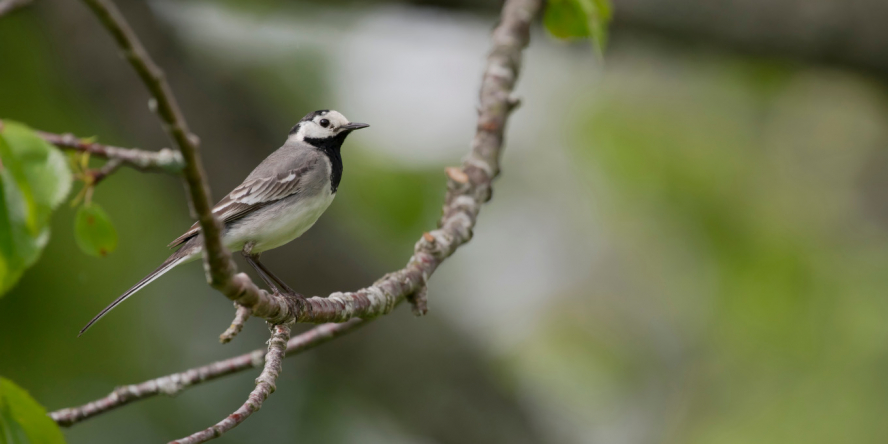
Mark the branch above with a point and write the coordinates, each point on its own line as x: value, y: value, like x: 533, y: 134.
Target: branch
x: 164, y: 160
x: 7, y: 6
x: 221, y: 270
x: 173, y: 384
x: 265, y: 386
x: 467, y: 188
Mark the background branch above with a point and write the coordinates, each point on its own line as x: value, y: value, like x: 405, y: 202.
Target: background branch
x: 164, y: 160
x: 172, y: 384
x: 265, y: 386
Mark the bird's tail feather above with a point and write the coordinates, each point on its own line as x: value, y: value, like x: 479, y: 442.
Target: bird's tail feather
x: 167, y: 265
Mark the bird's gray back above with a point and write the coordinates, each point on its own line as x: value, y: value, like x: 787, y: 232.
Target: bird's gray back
x: 293, y: 155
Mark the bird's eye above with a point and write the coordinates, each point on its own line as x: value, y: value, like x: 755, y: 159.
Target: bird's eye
x: 324, y: 123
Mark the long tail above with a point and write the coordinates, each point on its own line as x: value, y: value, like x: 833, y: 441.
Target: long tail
x: 167, y: 265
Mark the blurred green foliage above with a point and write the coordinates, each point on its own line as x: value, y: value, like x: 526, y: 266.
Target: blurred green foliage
x: 34, y: 179
x: 732, y: 194
x: 23, y: 420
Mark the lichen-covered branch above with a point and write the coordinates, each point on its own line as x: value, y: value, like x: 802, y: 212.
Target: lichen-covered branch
x: 164, y: 160
x: 221, y: 270
x: 172, y: 384
x: 265, y: 386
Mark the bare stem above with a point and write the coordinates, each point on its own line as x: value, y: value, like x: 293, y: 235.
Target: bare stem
x: 265, y: 386
x: 172, y: 384
x: 240, y: 318
x: 106, y: 170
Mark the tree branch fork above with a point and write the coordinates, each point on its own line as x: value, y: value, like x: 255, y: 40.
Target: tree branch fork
x: 468, y: 187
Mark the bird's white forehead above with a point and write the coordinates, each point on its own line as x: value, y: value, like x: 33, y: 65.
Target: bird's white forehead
x: 334, y: 117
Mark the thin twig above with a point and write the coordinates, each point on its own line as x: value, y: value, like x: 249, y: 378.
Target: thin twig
x: 240, y: 317
x: 265, y: 386
x: 164, y: 160
x: 7, y: 6
x: 172, y: 384
x: 106, y: 170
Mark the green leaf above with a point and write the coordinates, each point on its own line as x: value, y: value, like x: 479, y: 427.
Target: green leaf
x: 23, y: 420
x: 570, y: 19
x: 34, y: 179
x: 566, y: 19
x: 94, y: 232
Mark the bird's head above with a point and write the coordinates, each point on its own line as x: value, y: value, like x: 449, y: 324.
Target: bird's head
x: 319, y: 126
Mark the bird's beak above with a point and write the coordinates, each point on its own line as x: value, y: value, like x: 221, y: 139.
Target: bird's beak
x: 354, y: 125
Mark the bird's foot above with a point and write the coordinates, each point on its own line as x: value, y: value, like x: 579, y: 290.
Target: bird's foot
x: 289, y: 292
x: 419, y: 301
x: 293, y: 294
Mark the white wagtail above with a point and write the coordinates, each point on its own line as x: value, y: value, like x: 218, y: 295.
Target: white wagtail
x: 281, y: 199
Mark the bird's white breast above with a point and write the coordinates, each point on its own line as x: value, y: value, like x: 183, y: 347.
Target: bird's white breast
x: 291, y: 220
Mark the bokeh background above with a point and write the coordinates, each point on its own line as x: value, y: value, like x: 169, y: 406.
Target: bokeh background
x: 688, y: 244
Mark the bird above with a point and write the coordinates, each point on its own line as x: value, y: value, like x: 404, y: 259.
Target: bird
x: 278, y: 201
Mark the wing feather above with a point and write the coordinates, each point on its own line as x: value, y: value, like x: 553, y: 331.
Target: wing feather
x: 251, y: 196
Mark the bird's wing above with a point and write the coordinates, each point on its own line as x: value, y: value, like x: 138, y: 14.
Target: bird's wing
x: 252, y: 195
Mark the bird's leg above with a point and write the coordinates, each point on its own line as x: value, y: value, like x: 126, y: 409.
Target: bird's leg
x: 273, y: 277
x: 253, y: 260
x: 267, y: 275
